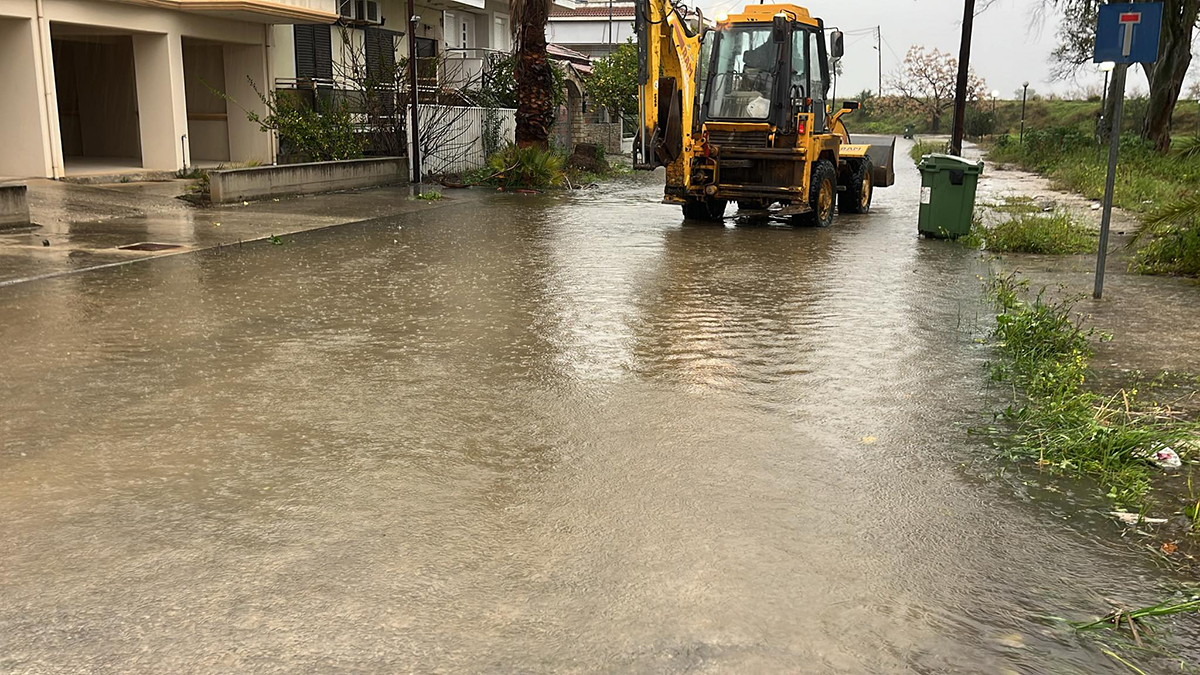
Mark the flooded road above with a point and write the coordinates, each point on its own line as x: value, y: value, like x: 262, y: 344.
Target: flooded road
x: 529, y: 434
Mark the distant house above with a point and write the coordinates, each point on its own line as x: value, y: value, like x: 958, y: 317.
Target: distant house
x: 592, y: 28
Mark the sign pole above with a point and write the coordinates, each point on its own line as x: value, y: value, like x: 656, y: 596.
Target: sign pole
x: 1114, y: 147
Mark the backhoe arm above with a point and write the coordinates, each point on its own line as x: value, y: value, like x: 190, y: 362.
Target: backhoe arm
x: 668, y: 58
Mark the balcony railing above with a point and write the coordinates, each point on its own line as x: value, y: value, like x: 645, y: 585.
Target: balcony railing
x: 464, y: 68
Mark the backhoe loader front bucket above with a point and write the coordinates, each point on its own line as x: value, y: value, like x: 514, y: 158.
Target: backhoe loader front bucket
x: 882, y: 151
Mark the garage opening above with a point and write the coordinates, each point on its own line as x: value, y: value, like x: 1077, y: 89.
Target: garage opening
x: 207, y: 114
x: 97, y: 99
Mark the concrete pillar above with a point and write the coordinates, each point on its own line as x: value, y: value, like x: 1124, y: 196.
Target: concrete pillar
x: 162, y: 110
x: 245, y: 69
x: 25, y: 134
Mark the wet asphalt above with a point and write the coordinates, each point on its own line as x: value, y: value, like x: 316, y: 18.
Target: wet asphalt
x: 562, y: 433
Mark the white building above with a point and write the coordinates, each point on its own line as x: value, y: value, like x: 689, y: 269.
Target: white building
x: 593, y: 28
x: 94, y: 86
x: 461, y: 34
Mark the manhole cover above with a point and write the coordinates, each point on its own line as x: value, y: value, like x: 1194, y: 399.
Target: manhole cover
x: 149, y: 246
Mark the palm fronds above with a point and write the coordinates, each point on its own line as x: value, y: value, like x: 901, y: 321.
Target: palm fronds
x: 1184, y: 210
x: 1187, y: 147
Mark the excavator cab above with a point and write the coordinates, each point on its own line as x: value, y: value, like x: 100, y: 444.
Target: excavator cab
x: 744, y: 116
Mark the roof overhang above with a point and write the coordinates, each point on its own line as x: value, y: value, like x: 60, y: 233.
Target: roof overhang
x: 256, y: 11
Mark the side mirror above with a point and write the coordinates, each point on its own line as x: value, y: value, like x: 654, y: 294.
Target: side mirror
x: 850, y: 105
x: 780, y: 27
x: 837, y: 44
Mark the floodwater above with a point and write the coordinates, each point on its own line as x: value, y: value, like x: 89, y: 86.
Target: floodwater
x: 530, y: 434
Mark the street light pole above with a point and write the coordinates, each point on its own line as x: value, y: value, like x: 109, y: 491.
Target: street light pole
x: 1024, y: 96
x: 1114, y: 144
x: 414, y: 132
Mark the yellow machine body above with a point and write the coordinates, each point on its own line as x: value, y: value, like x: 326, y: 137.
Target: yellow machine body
x: 739, y: 113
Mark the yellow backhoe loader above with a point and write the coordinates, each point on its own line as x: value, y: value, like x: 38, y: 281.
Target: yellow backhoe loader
x: 740, y: 113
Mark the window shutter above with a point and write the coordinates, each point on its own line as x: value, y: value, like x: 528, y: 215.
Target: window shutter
x: 305, y: 51
x: 322, y: 39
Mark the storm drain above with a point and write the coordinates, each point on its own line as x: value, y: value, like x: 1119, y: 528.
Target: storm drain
x: 149, y: 246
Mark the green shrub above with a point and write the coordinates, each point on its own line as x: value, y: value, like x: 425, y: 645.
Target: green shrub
x: 530, y: 167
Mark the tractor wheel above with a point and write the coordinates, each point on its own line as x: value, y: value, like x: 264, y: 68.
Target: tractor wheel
x: 822, y: 193
x: 859, y: 189
x: 711, y: 210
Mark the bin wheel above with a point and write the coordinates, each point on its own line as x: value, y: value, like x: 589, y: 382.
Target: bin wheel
x: 711, y: 210
x: 822, y: 192
x: 859, y: 190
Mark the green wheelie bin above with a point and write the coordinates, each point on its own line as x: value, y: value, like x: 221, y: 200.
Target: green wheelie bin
x: 947, y: 195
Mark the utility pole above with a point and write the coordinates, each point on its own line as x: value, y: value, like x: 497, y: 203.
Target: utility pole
x: 609, y: 29
x: 414, y: 131
x: 879, y: 52
x: 960, y: 91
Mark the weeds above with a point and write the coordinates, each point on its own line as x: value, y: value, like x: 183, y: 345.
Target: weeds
x: 922, y: 148
x: 431, y: 196
x: 1066, y: 427
x: 1055, y: 233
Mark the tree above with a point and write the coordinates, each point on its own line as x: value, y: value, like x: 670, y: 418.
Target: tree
x: 533, y: 73
x: 1077, y: 35
x: 613, y: 83
x: 927, y: 80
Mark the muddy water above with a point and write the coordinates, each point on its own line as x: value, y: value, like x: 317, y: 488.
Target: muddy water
x: 519, y: 434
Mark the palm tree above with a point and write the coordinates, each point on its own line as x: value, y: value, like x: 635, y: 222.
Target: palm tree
x: 535, y: 79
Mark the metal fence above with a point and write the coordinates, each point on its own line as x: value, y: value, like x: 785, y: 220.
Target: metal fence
x: 458, y: 138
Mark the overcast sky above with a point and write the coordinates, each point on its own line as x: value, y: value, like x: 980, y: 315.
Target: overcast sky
x: 1005, y: 50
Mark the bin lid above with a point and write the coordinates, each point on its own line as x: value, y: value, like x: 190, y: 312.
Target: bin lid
x: 941, y: 162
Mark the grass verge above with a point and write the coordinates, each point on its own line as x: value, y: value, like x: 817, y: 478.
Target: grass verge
x: 1057, y: 420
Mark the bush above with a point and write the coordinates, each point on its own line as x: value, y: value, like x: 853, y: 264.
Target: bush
x: 313, y: 135
x: 530, y: 168
x: 979, y: 123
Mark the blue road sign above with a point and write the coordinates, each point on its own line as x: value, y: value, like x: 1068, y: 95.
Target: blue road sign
x: 1127, y: 32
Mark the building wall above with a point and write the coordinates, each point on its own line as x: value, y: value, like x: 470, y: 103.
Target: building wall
x: 23, y: 104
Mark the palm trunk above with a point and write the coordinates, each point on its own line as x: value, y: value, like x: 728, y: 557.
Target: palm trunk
x: 1167, y: 75
x: 535, y: 80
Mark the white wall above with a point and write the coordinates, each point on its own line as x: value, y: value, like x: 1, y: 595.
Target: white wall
x: 576, y: 32
x: 22, y: 105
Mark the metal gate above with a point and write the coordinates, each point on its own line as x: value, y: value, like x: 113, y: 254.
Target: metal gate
x: 563, y: 121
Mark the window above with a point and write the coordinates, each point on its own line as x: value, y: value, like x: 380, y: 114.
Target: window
x: 451, y: 23
x: 314, y: 51
x: 798, y: 87
x: 815, y: 73
x: 743, y: 80
x: 381, y: 54
x: 502, y: 33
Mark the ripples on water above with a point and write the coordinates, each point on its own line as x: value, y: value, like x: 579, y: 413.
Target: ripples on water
x: 525, y: 434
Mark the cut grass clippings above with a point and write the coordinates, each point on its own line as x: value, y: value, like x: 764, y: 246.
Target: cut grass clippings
x: 1057, y: 421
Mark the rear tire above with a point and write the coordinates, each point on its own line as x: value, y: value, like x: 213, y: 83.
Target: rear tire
x: 710, y: 210
x: 822, y: 193
x: 859, y: 189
